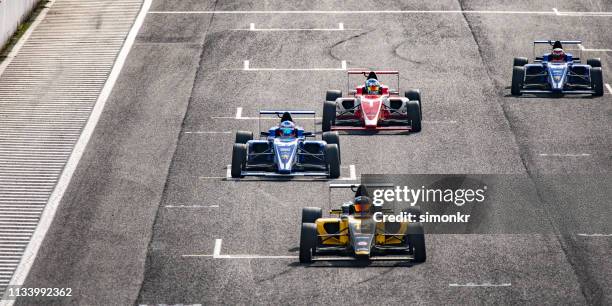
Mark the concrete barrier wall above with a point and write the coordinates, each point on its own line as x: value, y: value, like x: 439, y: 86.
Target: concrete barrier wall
x: 12, y: 13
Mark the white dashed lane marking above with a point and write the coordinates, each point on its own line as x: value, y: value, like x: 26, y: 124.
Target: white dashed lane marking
x: 252, y: 28
x: 554, y: 12
x: 480, y: 285
x: 247, y: 67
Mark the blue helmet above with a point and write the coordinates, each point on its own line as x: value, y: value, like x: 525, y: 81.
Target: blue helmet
x: 287, y: 128
x: 372, y: 86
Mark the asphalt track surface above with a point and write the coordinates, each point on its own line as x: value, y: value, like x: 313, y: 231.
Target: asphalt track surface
x: 150, y: 188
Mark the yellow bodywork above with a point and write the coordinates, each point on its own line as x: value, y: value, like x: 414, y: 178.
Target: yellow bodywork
x: 340, y: 235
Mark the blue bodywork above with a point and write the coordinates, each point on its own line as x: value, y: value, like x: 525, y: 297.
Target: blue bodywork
x: 275, y: 155
x: 569, y: 76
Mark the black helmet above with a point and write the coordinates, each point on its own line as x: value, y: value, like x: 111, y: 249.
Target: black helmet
x: 362, y: 204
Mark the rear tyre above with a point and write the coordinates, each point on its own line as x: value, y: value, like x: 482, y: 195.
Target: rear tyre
x: 594, y: 62
x: 244, y: 136
x: 597, y: 82
x: 332, y: 95
x: 308, y: 242
x: 333, y: 138
x: 415, y: 211
x: 416, y: 239
x: 332, y: 158
x: 413, y: 94
x: 239, y: 154
x: 520, y: 61
x: 311, y: 214
x: 518, y: 77
x: 413, y: 110
x: 329, y: 116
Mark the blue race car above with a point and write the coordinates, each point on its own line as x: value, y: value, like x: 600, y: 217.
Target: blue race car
x: 557, y: 73
x: 285, y: 151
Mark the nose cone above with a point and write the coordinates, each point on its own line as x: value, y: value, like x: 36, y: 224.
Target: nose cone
x: 370, y: 109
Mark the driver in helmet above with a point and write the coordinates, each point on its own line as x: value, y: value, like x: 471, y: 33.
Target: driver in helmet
x: 287, y: 129
x: 557, y: 55
x: 372, y: 87
x: 362, y: 205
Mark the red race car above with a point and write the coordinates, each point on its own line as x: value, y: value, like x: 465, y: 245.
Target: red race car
x: 372, y: 106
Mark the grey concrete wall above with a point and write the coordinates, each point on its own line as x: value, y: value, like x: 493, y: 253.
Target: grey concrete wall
x: 12, y: 13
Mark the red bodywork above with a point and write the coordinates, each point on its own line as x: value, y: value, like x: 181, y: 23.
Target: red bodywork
x: 372, y: 110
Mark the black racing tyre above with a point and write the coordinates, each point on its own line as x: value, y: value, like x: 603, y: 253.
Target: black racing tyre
x: 332, y: 158
x: 244, y: 136
x: 413, y: 94
x: 333, y: 138
x: 597, y: 82
x: 413, y: 110
x: 594, y: 62
x: 414, y: 211
x: 308, y: 242
x: 329, y: 116
x: 518, y: 77
x: 239, y: 155
x: 332, y: 95
x: 311, y: 214
x: 416, y: 239
x: 520, y: 61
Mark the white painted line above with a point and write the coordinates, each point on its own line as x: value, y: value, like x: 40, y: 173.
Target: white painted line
x: 54, y: 200
x: 593, y: 50
x: 352, y: 175
x: 191, y: 206
x: 595, y: 235
x: 554, y: 12
x: 565, y: 155
x: 228, y: 173
x: 208, y: 132
x: 212, y: 177
x: 25, y: 36
x: 238, y: 112
x: 480, y: 285
x: 254, y: 29
x: 217, y: 249
x: 217, y: 254
x: 609, y: 88
x: 247, y: 67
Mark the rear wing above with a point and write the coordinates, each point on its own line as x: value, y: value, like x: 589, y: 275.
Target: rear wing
x: 353, y: 188
x: 280, y: 113
x: 538, y: 58
x: 366, y: 72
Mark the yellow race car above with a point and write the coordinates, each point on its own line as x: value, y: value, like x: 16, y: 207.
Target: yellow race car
x: 352, y: 232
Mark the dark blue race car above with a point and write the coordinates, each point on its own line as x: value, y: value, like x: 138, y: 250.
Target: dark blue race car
x: 285, y: 151
x: 557, y: 73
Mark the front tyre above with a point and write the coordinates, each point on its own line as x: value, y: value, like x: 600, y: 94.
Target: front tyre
x: 518, y: 78
x: 332, y: 158
x: 413, y: 111
x: 239, y: 154
x: 329, y: 116
x: 416, y: 240
x: 308, y: 242
x: 333, y: 138
x: 597, y: 82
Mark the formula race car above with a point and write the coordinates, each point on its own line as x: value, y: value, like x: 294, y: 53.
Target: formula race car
x: 284, y: 150
x: 352, y: 233
x: 372, y: 106
x: 557, y: 72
